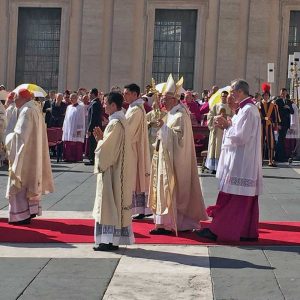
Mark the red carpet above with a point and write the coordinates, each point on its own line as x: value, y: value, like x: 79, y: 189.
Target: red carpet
x: 81, y: 231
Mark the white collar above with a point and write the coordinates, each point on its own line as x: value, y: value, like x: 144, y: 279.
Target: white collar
x: 27, y: 104
x: 117, y: 115
x: 136, y: 102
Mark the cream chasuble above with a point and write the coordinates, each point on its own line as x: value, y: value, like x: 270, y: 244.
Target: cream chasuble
x: 174, y: 183
x: 113, y: 164
x: 215, y: 135
x: 152, y: 117
x: 28, y: 154
x: 3, y: 123
x: 136, y: 117
x: 11, y: 118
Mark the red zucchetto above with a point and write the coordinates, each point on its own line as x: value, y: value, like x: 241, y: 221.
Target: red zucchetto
x: 24, y: 93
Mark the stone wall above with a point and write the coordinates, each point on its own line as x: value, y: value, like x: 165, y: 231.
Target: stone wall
x: 107, y: 42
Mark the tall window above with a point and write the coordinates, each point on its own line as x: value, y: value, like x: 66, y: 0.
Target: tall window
x: 174, y: 45
x: 38, y: 46
x: 294, y: 35
x: 294, y: 39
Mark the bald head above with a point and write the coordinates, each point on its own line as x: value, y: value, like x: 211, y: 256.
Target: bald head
x: 73, y: 98
x: 59, y: 97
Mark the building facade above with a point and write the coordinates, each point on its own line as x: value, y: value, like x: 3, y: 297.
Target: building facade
x: 66, y: 44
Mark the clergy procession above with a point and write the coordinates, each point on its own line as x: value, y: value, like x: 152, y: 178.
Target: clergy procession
x: 149, y: 150
x: 146, y: 163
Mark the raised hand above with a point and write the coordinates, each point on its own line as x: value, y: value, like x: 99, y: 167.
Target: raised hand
x: 98, y: 133
x: 221, y: 122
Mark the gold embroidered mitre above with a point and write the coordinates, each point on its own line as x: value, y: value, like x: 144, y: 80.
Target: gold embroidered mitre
x: 171, y: 88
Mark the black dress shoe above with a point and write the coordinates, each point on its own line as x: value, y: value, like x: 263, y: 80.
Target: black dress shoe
x: 272, y: 164
x: 243, y: 239
x: 23, y: 222
x: 90, y: 163
x: 139, y: 217
x: 106, y: 247
x: 160, y: 231
x: 207, y: 234
x: 32, y: 216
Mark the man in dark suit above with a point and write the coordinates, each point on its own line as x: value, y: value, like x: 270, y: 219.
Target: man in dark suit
x: 47, y: 108
x: 95, y: 112
x: 285, y: 110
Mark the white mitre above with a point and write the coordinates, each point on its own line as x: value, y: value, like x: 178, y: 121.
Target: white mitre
x: 171, y: 88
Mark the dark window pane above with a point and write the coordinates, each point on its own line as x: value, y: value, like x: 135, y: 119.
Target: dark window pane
x: 174, y: 45
x: 38, y: 46
x: 294, y: 36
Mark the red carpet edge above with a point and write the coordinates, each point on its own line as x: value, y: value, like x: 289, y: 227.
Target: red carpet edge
x: 81, y: 231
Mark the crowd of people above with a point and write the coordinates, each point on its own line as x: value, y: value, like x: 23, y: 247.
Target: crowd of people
x: 280, y: 127
x: 142, y: 149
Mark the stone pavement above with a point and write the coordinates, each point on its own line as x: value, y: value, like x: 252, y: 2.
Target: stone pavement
x: 74, y: 271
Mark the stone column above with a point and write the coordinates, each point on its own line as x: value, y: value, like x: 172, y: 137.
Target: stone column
x: 4, y: 15
x: 106, y: 45
x: 93, y: 44
x: 228, y: 41
x: 123, y: 42
x: 138, y: 51
x: 73, y: 58
x: 211, y: 42
x: 242, y: 46
x: 274, y: 42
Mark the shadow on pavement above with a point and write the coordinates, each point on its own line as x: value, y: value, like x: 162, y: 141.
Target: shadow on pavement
x: 229, y: 263
x: 183, y: 259
x: 207, y: 175
x: 70, y: 171
x: 281, y: 177
x: 40, y: 245
x: 195, y: 261
x: 290, y: 249
x: 59, y: 165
